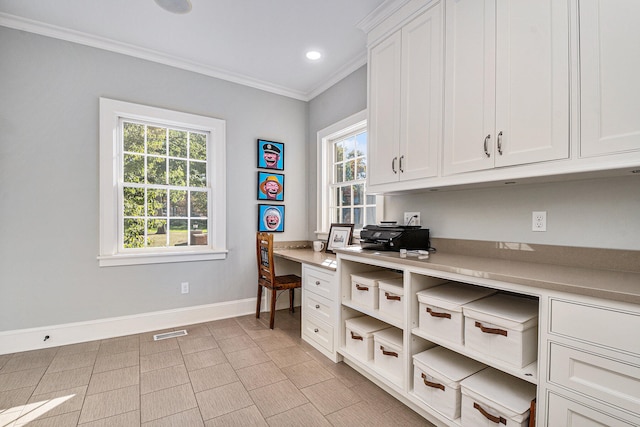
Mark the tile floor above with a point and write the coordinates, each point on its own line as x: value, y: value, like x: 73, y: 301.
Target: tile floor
x: 232, y: 372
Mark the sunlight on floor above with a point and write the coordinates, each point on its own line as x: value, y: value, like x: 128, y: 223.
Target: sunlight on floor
x: 23, y: 414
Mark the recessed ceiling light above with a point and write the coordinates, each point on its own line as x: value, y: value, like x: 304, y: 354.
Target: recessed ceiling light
x: 175, y: 6
x: 314, y: 55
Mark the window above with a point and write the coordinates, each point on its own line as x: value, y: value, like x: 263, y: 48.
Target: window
x: 342, y: 169
x: 162, y: 189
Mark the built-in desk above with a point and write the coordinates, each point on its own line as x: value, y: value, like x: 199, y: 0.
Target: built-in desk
x: 307, y: 256
x: 320, y: 301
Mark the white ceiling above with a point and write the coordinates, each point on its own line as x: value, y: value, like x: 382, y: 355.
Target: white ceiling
x: 260, y: 43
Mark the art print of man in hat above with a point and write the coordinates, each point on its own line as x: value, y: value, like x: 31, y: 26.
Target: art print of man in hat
x: 272, y: 157
x: 271, y: 188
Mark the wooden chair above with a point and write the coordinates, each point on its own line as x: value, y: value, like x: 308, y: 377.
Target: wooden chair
x: 267, y: 276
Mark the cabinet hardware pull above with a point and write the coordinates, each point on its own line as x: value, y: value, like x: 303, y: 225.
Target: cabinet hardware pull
x: 491, y: 330
x: 356, y: 337
x: 500, y: 143
x: 486, y: 147
x: 362, y: 288
x: 436, y: 314
x: 392, y: 297
x: 317, y: 282
x: 317, y: 305
x: 315, y: 330
x: 488, y: 416
x: 401, y: 168
x: 430, y: 384
x: 393, y: 165
x: 388, y: 353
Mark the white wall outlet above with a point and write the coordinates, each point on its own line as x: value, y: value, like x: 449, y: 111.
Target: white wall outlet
x: 411, y: 218
x: 539, y: 221
x: 184, y: 287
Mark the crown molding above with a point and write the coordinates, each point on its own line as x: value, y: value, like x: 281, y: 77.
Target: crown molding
x: 36, y: 27
x: 380, y: 13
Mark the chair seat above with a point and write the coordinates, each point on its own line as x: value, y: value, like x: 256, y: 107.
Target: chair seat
x: 288, y: 281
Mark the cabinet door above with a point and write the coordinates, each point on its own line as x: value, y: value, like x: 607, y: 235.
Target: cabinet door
x: 532, y: 81
x: 469, y: 85
x: 384, y: 110
x: 609, y: 76
x: 420, y: 132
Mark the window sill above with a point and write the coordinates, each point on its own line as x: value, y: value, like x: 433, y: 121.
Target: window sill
x: 156, y: 258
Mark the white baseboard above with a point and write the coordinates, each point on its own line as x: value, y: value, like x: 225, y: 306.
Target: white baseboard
x: 72, y: 333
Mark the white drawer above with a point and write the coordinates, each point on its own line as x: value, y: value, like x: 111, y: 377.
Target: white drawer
x: 603, y: 326
x: 567, y: 413
x: 319, y: 282
x: 609, y: 380
x: 320, y: 307
x: 318, y: 332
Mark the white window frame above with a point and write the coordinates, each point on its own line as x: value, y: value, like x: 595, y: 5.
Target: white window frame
x: 325, y: 138
x: 111, y: 113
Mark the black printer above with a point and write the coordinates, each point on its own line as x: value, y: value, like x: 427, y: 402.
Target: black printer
x: 394, y: 237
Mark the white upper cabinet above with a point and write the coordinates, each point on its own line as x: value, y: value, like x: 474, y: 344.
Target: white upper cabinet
x: 405, y: 101
x: 609, y: 76
x: 506, y: 83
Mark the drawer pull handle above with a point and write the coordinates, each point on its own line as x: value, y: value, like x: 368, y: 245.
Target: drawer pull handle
x: 316, y: 330
x: 356, y: 337
x: 436, y: 314
x: 430, y: 384
x: 317, y: 306
x: 362, y: 288
x: 317, y: 282
x: 488, y: 416
x: 486, y: 148
x: 491, y: 330
x: 388, y: 353
x: 392, y: 297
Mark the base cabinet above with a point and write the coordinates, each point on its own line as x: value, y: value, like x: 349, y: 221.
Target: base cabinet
x: 319, y: 309
x: 397, y: 340
x: 593, y: 369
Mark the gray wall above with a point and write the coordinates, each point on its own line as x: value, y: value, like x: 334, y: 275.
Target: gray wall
x: 602, y: 213
x: 49, y: 92
x: 345, y: 98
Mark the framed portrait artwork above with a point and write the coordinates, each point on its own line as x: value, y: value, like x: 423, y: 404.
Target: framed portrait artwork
x: 270, y: 155
x: 271, y: 218
x: 270, y: 186
x: 339, y: 236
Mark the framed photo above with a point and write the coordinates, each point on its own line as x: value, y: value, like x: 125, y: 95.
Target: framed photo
x: 271, y: 218
x: 339, y: 236
x: 270, y: 155
x: 270, y: 186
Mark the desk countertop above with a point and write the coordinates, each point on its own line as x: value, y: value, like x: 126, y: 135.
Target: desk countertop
x: 308, y: 256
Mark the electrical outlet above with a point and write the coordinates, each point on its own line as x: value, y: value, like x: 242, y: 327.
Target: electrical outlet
x: 411, y: 218
x: 185, y: 287
x: 539, y: 221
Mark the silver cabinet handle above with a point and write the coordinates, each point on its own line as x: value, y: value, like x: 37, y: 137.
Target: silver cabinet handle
x: 393, y: 165
x: 317, y: 282
x: 401, y: 168
x: 486, y: 147
x: 500, y: 143
x: 317, y: 306
x: 315, y: 330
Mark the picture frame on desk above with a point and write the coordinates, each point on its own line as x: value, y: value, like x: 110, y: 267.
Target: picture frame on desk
x: 340, y: 236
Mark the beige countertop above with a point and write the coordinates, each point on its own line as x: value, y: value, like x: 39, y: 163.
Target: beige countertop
x: 507, y: 262
x: 308, y: 256
x: 609, y: 284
